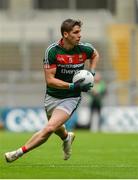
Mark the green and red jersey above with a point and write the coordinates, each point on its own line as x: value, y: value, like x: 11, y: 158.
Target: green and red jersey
x: 66, y: 62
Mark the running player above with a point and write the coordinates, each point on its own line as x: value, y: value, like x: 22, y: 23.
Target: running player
x: 62, y: 60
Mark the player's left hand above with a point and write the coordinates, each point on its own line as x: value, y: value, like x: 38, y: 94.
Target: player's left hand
x: 92, y: 72
x: 79, y: 86
x: 86, y: 87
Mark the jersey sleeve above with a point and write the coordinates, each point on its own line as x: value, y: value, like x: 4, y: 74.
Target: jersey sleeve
x: 89, y: 50
x: 49, y: 60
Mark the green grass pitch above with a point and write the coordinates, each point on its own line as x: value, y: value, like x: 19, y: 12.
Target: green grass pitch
x: 95, y: 156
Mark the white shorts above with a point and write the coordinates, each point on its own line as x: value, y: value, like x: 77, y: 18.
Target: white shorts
x: 68, y: 104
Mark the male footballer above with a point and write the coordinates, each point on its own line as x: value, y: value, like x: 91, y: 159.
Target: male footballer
x: 62, y: 59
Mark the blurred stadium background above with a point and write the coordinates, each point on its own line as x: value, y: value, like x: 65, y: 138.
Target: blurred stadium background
x: 26, y: 29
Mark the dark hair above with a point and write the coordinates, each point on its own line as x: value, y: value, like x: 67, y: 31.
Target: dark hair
x: 68, y: 25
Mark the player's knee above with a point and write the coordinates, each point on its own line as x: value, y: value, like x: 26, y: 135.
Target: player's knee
x: 51, y: 129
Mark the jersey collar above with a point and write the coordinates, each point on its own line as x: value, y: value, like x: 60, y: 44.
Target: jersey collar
x: 60, y: 42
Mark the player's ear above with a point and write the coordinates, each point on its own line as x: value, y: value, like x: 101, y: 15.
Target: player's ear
x: 65, y: 34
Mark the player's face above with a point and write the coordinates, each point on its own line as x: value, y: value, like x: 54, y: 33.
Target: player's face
x: 73, y: 37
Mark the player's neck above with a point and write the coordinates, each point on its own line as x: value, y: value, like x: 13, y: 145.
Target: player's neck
x: 66, y: 45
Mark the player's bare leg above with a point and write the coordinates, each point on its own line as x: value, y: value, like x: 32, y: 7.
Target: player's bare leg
x: 58, y: 118
x: 62, y: 132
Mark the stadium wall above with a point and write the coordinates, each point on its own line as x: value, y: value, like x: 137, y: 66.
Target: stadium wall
x: 113, y: 119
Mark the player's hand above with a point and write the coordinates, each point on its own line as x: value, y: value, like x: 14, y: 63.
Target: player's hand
x: 86, y: 87
x: 78, y: 86
x: 92, y: 72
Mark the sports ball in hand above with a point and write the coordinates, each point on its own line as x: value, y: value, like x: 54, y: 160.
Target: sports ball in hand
x: 88, y: 77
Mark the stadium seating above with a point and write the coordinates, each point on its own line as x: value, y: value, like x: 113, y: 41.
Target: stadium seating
x: 23, y: 42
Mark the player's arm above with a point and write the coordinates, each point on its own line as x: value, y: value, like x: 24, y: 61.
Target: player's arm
x: 54, y: 82
x: 93, y: 61
x: 50, y: 67
x: 59, y: 84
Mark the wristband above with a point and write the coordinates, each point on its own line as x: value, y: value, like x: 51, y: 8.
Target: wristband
x: 93, y: 72
x: 71, y: 86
